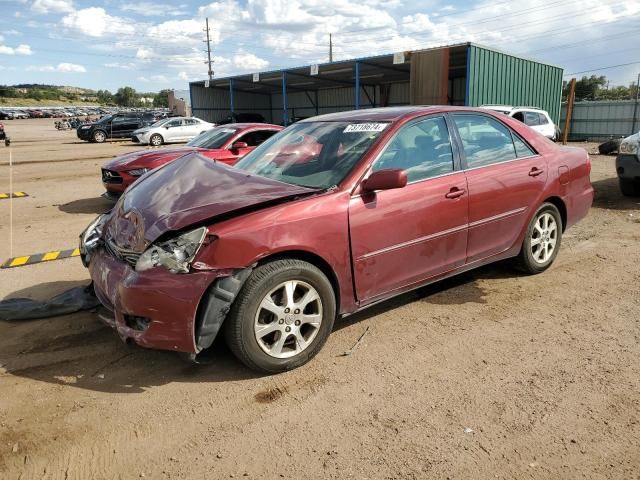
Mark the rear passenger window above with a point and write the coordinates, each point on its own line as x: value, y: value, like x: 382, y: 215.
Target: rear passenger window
x: 422, y: 150
x: 522, y: 149
x: 531, y: 118
x: 484, y: 140
x: 542, y: 119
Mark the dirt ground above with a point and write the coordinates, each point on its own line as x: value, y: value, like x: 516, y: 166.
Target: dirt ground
x: 490, y: 375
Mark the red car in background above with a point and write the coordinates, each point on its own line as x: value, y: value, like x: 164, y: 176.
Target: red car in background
x: 332, y: 215
x: 226, y: 144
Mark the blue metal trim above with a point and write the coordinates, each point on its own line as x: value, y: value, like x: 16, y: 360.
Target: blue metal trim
x: 285, y: 114
x: 467, y: 78
x: 357, y: 85
x: 231, y: 97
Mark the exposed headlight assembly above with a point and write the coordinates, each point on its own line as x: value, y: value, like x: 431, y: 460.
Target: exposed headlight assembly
x: 91, y: 238
x: 629, y: 147
x: 175, y: 254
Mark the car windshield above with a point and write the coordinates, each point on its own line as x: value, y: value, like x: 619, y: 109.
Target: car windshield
x: 214, y: 138
x: 105, y: 119
x: 313, y: 154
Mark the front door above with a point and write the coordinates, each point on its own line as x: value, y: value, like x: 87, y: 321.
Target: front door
x: 505, y: 177
x: 404, y: 236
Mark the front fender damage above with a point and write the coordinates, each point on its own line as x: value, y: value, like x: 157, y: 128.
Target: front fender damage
x: 215, y: 306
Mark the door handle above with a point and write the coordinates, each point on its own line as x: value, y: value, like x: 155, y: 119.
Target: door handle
x: 455, y: 192
x: 535, y: 171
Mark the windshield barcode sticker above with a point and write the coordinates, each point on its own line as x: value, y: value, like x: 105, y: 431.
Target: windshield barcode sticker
x: 365, y: 127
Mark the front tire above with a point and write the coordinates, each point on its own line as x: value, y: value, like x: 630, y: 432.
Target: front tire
x: 156, y: 140
x: 99, y: 136
x: 629, y: 188
x: 281, y: 317
x: 542, y: 240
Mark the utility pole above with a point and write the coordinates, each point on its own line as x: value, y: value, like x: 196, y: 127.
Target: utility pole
x: 635, y: 106
x: 208, y: 40
x: 330, y: 49
x: 571, y: 97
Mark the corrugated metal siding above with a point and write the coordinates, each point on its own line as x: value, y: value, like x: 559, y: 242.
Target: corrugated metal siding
x: 498, y: 78
x: 601, y: 120
x: 213, y: 104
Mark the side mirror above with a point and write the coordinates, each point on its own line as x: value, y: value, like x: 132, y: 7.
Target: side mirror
x: 239, y: 145
x: 167, y: 127
x: 385, y: 180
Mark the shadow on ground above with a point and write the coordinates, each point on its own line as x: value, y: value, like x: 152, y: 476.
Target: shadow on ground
x: 78, y: 350
x: 95, y: 205
x: 608, y: 196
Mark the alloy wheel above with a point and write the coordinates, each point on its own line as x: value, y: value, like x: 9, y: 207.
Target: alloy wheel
x: 288, y: 319
x: 544, y: 237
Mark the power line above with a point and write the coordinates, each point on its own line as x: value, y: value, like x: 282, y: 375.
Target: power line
x: 603, y: 68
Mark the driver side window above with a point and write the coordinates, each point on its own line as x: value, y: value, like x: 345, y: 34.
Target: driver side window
x: 421, y: 149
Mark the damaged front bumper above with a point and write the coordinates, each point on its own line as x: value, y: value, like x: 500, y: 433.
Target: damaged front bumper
x: 154, y: 308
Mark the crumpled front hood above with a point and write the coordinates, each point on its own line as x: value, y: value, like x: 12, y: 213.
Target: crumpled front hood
x: 185, y: 192
x: 144, y: 158
x: 140, y: 131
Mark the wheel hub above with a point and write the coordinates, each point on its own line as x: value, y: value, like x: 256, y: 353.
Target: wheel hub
x: 288, y: 319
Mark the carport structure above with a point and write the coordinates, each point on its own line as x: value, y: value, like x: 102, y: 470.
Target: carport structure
x: 462, y: 74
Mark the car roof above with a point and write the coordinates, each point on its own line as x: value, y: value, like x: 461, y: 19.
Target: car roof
x: 244, y: 126
x: 390, y: 114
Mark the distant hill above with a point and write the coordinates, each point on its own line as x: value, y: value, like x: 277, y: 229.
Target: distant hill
x: 61, y: 88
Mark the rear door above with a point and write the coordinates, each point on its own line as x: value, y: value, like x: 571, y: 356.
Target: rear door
x: 174, y: 131
x: 505, y: 178
x: 404, y: 236
x: 124, y: 125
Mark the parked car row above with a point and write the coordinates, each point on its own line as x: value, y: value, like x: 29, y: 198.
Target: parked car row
x: 323, y: 219
x: 68, y: 112
x: 143, y: 127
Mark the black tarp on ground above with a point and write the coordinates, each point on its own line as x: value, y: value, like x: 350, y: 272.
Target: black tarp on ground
x: 70, y: 301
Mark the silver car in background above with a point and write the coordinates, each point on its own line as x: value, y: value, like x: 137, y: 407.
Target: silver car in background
x: 171, y: 130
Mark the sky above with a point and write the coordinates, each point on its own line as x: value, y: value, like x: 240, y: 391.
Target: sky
x: 151, y: 45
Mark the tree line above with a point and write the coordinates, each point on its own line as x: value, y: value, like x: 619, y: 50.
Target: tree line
x: 124, y: 97
x: 597, y: 88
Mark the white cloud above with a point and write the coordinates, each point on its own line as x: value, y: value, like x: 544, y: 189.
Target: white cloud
x: 248, y: 61
x: 152, y: 9
x: 12, y: 32
x: 21, y: 49
x: 154, y: 79
x: 60, y: 68
x: 122, y: 66
x: 95, y: 22
x: 46, y: 6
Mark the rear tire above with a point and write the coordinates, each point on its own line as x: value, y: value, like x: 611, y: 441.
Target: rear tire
x: 609, y: 147
x: 272, y: 300
x: 629, y: 188
x: 542, y: 240
x: 156, y: 140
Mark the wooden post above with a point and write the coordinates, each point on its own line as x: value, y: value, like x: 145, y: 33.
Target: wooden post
x: 567, y: 121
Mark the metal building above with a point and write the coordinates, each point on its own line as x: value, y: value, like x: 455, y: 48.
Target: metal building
x: 463, y: 74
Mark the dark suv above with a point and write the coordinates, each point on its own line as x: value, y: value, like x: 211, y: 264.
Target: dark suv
x: 120, y: 125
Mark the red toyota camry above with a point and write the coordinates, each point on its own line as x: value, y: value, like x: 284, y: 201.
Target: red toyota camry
x: 329, y: 216
x: 226, y: 144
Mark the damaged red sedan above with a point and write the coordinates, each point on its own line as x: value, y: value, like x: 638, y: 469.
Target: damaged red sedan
x: 226, y: 144
x: 329, y: 216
